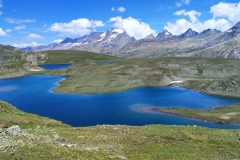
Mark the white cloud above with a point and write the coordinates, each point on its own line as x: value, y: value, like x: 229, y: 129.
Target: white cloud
x: 178, y: 4
x: 8, y: 30
x: 113, y: 9
x: 20, y: 27
x: 2, y: 33
x: 78, y: 27
x: 121, y: 9
x: 19, y: 21
x: 224, y: 15
x: 23, y: 45
x: 186, y: 2
x: 231, y: 11
x: 57, y: 41
x: 1, y: 12
x: 34, y: 36
x: 132, y: 27
x: 192, y: 14
x: 180, y: 26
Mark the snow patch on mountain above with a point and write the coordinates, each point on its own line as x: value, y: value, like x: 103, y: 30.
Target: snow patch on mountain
x: 118, y: 31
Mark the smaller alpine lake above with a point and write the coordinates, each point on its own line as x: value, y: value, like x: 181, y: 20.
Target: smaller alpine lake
x: 34, y: 94
x: 54, y: 66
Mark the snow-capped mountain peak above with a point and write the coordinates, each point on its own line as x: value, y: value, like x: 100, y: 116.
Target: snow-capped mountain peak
x: 164, y: 35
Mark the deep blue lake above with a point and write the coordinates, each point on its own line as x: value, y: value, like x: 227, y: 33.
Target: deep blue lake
x: 34, y: 94
x: 54, y: 66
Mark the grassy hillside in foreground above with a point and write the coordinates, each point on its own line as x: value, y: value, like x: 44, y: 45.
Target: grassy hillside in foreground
x: 218, y: 115
x: 43, y: 138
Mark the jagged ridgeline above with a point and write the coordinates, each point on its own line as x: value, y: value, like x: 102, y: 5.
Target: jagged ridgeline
x: 209, y: 43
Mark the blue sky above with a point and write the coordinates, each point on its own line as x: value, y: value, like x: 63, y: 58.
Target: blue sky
x: 40, y: 22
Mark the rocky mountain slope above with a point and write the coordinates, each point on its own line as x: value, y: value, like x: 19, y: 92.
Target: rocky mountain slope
x: 97, y: 42
x: 116, y: 42
x: 209, y: 43
x: 164, y: 35
x: 9, y: 54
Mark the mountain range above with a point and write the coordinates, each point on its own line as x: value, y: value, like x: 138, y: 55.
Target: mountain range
x: 116, y: 42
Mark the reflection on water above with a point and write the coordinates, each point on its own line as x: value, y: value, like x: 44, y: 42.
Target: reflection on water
x: 8, y: 88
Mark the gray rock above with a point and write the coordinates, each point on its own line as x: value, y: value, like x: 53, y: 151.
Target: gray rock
x: 7, y: 143
x: 117, y: 157
x: 56, y: 136
x: 16, y: 131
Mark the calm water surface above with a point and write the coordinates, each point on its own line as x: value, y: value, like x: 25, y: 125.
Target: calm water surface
x: 54, y: 66
x: 34, y: 94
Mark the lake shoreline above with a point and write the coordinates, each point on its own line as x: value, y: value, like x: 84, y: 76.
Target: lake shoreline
x: 220, y: 118
x: 50, y: 82
x: 93, y: 91
x: 156, y: 110
x: 149, y: 109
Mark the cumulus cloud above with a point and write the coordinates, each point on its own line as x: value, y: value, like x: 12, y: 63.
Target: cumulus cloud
x: 192, y: 14
x: 19, y: 21
x: 132, y: 27
x: 224, y: 15
x: 23, y: 45
x: 231, y: 11
x: 180, y: 26
x: 20, y: 27
x: 78, y: 27
x: 2, y: 33
x: 121, y: 9
x: 186, y: 2
x: 34, y: 36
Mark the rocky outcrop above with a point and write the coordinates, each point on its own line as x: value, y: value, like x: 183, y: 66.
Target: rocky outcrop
x: 8, y: 140
x: 32, y: 59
